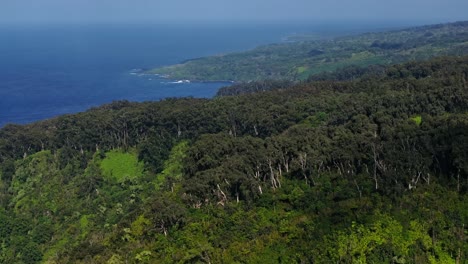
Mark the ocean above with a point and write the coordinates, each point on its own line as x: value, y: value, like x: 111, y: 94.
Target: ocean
x: 49, y: 70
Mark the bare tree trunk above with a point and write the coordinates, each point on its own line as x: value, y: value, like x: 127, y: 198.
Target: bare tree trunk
x: 224, y: 197
x: 358, y: 188
x: 374, y: 151
x: 272, y: 175
x: 303, y: 163
x: 285, y: 162
x: 257, y: 173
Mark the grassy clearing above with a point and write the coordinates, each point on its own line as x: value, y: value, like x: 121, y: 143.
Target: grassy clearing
x: 121, y: 166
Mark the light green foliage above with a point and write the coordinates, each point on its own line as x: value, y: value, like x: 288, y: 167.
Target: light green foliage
x: 121, y: 165
x: 143, y: 257
x: 417, y: 120
x: 84, y: 222
x: 51, y: 252
x: 359, y: 242
x: 139, y: 225
x: 362, y: 240
x: 42, y: 166
x: 85, y: 225
x: 115, y: 259
x: 419, y: 232
x: 173, y: 165
x: 301, y: 70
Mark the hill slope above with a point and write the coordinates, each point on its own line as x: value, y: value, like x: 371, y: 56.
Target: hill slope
x: 299, y: 60
x: 373, y: 170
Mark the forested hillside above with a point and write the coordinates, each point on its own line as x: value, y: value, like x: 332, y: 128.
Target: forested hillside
x: 369, y: 169
x: 299, y: 60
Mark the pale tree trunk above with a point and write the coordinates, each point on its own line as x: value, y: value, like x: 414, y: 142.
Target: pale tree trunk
x: 303, y: 163
x: 374, y: 152
x: 272, y: 175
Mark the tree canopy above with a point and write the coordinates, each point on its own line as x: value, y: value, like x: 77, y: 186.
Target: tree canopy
x: 368, y: 169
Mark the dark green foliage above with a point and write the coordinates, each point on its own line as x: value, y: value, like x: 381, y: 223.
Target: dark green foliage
x: 349, y: 73
x: 253, y: 87
x: 154, y: 150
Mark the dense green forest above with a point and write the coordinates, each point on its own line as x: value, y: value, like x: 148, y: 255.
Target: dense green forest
x: 299, y: 60
x: 334, y: 169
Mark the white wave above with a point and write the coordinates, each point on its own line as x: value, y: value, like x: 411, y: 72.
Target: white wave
x: 180, y: 81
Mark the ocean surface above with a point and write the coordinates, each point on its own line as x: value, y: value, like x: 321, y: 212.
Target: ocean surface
x: 50, y: 70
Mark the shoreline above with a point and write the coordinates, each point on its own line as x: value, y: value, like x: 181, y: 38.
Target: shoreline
x: 181, y: 80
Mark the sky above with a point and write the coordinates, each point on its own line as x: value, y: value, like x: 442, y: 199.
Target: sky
x: 110, y: 11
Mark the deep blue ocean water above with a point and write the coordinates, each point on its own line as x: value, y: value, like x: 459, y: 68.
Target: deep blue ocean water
x: 50, y: 70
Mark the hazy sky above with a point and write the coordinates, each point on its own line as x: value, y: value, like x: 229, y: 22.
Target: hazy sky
x: 13, y: 11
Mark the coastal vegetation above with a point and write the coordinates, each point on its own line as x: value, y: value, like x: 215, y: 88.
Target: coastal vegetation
x: 360, y: 165
x: 302, y: 58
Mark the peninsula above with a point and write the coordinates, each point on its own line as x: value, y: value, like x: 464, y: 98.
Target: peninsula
x: 298, y: 60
